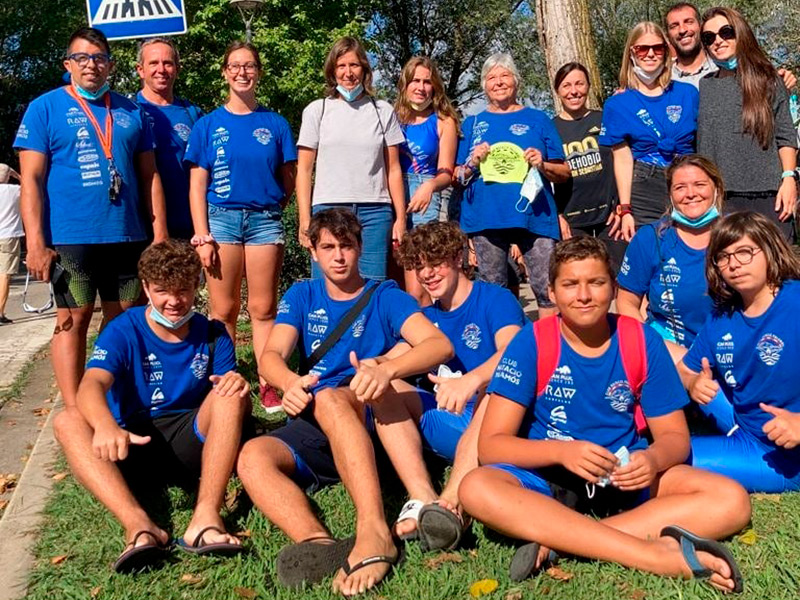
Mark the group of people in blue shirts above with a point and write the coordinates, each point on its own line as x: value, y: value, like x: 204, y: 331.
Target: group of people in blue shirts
x: 583, y: 412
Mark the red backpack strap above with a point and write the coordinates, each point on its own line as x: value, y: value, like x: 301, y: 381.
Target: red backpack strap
x: 630, y: 334
x: 547, y: 333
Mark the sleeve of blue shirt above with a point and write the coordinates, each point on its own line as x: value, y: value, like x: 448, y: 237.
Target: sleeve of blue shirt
x: 292, y: 307
x: 641, y: 262
x: 396, y: 307
x: 224, y: 352
x: 32, y: 132
x: 465, y: 142
x: 662, y: 392
x: 515, y: 375
x: 701, y: 348
x: 147, y: 140
x: 503, y: 309
x: 613, y: 130
x: 196, y: 148
x: 111, y: 350
x: 554, y: 147
x: 288, y: 147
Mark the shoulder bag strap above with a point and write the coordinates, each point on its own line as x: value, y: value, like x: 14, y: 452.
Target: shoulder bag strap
x: 634, y: 361
x: 547, y: 333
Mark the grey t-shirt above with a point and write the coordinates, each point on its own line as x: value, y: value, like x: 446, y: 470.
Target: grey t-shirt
x: 349, y: 145
x: 694, y: 78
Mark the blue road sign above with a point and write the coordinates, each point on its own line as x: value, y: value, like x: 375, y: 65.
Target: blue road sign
x: 121, y: 19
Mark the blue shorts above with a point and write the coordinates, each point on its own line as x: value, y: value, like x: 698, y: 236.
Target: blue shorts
x: 441, y: 429
x: 245, y: 226
x: 431, y: 214
x: 757, y: 465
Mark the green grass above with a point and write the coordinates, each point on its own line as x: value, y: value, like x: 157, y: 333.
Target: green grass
x: 14, y: 390
x: 77, y: 526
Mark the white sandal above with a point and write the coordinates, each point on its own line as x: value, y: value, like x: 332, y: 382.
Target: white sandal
x: 410, y: 510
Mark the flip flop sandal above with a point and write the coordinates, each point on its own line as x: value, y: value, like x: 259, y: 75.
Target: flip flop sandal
x: 691, y: 543
x: 410, y: 510
x: 312, y: 560
x: 139, y: 558
x: 201, y: 549
x: 523, y: 565
x: 394, y: 562
x: 439, y: 528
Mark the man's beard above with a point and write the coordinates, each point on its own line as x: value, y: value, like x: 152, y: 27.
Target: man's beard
x: 690, y: 54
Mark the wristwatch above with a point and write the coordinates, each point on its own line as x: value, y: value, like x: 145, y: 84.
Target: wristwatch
x: 623, y: 209
x: 790, y: 173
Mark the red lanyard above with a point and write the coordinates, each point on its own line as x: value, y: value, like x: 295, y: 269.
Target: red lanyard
x: 107, y: 137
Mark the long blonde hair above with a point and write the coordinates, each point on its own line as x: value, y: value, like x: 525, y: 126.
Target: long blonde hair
x: 627, y: 78
x: 441, y: 103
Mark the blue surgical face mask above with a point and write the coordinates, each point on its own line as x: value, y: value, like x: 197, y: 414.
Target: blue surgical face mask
x: 700, y: 222
x: 164, y: 321
x: 91, y: 95
x: 729, y: 64
x: 350, y: 95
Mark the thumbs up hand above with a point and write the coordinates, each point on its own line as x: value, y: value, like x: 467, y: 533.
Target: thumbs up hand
x: 703, y: 388
x: 783, y: 428
x: 371, y: 380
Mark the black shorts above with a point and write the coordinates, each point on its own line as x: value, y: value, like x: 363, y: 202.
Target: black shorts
x: 314, y: 467
x: 572, y: 491
x: 110, y: 269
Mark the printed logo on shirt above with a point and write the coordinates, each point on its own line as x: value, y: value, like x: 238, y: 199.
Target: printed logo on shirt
x: 519, y: 128
x: 507, y: 369
x: 82, y: 133
x: 283, y: 307
x: 93, y: 165
x: 99, y: 354
x: 157, y: 397
x: 22, y: 132
x: 620, y: 396
x: 626, y: 267
x: 558, y: 415
x: 85, y: 158
x: 561, y: 385
x: 645, y: 118
x: 724, y: 353
x: 769, y: 349
x: 358, y: 326
x: 222, y: 174
x: 76, y: 118
x: 220, y: 137
x: 318, y: 322
x: 583, y: 156
x: 84, y: 146
x: 674, y: 112
x: 199, y: 365
x: 670, y: 274
x: 91, y: 175
x: 472, y: 336
x: 183, y: 131
x: 480, y: 128
x: 263, y: 135
x: 555, y: 434
x: 730, y: 379
x: 594, y: 129
x: 123, y: 119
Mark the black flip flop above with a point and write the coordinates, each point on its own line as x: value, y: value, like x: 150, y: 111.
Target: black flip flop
x: 691, y: 543
x: 312, y: 560
x: 201, y: 549
x: 523, y: 565
x: 439, y: 528
x: 139, y: 558
x: 393, y: 561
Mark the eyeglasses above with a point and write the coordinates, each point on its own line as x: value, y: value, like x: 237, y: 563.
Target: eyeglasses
x: 82, y: 58
x: 249, y: 67
x: 642, y: 50
x: 726, y: 32
x: 744, y: 256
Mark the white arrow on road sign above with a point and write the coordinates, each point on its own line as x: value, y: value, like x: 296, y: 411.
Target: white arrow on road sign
x: 121, y: 11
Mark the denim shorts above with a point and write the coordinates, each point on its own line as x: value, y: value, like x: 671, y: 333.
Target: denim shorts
x: 431, y: 214
x: 245, y: 225
x: 376, y: 237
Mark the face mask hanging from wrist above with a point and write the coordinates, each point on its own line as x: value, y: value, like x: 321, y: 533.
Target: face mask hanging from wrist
x: 350, y: 95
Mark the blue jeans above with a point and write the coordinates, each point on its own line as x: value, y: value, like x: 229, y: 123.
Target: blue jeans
x: 245, y: 225
x: 376, y: 236
x: 413, y: 181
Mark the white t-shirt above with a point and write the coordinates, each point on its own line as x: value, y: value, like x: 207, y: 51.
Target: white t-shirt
x: 349, y: 145
x: 10, y: 223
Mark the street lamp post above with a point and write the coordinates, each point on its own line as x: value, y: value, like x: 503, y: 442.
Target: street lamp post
x: 248, y: 9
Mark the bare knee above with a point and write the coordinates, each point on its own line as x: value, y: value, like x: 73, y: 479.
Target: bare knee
x: 472, y: 490
x: 260, y: 456
x: 733, y: 502
x: 67, y: 424
x: 225, y: 309
x: 262, y: 309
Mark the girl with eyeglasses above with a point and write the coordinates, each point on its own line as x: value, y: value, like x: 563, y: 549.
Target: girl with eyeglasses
x: 243, y: 164
x: 649, y: 123
x: 744, y: 123
x: 742, y: 367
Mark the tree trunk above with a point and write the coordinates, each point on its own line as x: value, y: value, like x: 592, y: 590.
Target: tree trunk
x: 566, y: 36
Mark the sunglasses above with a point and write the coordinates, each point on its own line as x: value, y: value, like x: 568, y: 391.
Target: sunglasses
x: 726, y: 32
x: 642, y: 50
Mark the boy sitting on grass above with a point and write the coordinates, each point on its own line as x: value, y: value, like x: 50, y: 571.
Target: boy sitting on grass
x: 160, y: 402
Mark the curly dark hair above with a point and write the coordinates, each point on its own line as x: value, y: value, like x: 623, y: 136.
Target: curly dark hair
x: 170, y: 263
x: 431, y: 244
x: 579, y: 248
x: 782, y: 261
x: 342, y: 224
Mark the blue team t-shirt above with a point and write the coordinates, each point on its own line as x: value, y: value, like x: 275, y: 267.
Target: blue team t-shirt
x: 153, y: 377
x: 77, y: 208
x: 420, y: 152
x: 657, y: 128
x: 308, y: 308
x: 172, y: 124
x: 243, y: 155
x: 587, y: 398
x: 472, y: 326
x: 754, y: 359
x: 674, y: 281
x: 495, y: 205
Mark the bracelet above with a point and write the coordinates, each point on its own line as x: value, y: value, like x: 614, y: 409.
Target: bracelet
x: 789, y: 173
x: 623, y: 209
x: 202, y: 240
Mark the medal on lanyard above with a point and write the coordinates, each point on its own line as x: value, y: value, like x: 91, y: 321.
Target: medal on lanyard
x: 106, y: 139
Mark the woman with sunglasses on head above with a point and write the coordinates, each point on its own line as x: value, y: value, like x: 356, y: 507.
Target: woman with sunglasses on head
x: 243, y: 165
x: 742, y: 367
x: 586, y: 201
x: 744, y: 123
x: 349, y: 147
x: 649, y: 123
x: 428, y: 156
x: 665, y: 261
